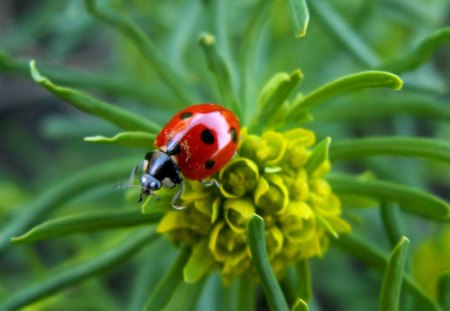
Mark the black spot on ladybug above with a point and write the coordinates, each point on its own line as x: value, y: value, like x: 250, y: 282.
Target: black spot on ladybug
x: 207, y: 137
x: 233, y: 135
x: 185, y: 115
x: 209, y: 164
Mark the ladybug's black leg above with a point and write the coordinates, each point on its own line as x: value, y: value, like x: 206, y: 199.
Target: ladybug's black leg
x: 211, y: 182
x: 177, y: 196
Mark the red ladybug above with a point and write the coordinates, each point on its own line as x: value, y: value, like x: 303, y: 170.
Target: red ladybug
x: 198, y: 141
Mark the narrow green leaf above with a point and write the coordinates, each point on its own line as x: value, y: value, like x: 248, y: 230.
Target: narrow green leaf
x: 169, y: 282
x: 358, y: 81
x: 199, y: 262
x: 429, y: 148
x: 62, y: 192
x: 219, y: 68
x: 116, y: 115
x: 386, y: 107
x: 258, y: 250
x: 393, y: 277
x: 443, y: 289
x: 375, y: 258
x: 146, y: 47
x: 390, y: 218
x: 419, y: 55
x: 87, y: 222
x: 300, y: 305
x: 339, y: 30
x: 129, y: 139
x: 411, y: 200
x: 273, y: 96
x: 318, y: 156
x: 300, y: 15
x: 69, y: 276
x: 304, y: 290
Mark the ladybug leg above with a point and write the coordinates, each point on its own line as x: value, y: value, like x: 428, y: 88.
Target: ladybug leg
x: 177, y: 196
x: 211, y: 182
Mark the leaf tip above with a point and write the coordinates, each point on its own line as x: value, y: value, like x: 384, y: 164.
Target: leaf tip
x: 35, y: 74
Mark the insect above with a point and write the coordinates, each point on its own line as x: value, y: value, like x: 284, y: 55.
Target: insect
x: 197, y: 142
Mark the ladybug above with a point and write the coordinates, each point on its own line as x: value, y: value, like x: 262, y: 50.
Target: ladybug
x: 197, y: 142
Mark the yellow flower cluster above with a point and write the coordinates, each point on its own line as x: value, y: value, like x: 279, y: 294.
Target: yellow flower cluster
x: 277, y: 176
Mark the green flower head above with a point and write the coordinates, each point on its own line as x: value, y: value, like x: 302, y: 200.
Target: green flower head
x: 275, y: 175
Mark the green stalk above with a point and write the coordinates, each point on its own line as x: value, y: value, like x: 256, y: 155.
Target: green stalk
x: 257, y: 243
x: 390, y: 219
x: 393, y: 277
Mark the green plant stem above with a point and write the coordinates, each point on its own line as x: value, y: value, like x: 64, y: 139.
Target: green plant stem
x: 390, y: 219
x: 343, y: 33
x: 393, y: 277
x: 375, y: 258
x: 148, y: 50
x: 429, y: 148
x: 258, y: 250
x: 410, y: 199
x: 61, y: 192
x: 87, y: 222
x: 304, y: 290
x: 169, y: 283
x: 85, y: 270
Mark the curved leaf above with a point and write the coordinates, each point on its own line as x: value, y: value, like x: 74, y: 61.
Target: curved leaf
x: 318, y: 156
x: 393, y: 277
x: 432, y: 149
x: 258, y: 250
x: 411, y: 200
x: 80, y: 272
x: 116, y: 115
x: 129, y: 139
x: 87, y: 222
x: 358, y: 81
x: 60, y: 193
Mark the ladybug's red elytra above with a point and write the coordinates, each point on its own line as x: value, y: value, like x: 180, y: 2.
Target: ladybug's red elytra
x: 198, y: 141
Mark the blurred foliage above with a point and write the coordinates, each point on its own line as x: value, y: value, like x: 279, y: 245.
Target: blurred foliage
x: 148, y: 60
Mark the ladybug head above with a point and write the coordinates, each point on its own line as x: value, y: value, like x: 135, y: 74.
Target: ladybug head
x: 149, y: 184
x: 159, y: 170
